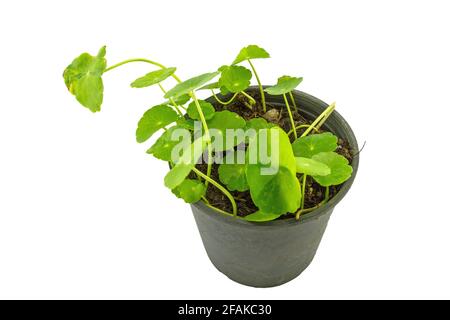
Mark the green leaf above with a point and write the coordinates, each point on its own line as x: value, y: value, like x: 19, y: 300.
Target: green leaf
x: 210, y: 86
x: 181, y: 100
x: 260, y: 216
x: 251, y: 52
x: 311, y: 167
x: 273, y: 184
x: 313, y: 144
x: 340, y: 169
x: 185, y: 164
x: 235, y: 78
x: 162, y: 148
x: 83, y: 78
x: 186, y: 123
x: 154, y: 119
x: 215, y: 85
x: 207, y: 108
x: 190, y: 190
x: 153, y: 77
x: 258, y: 123
x: 232, y: 174
x: 190, y: 85
x: 284, y: 85
x: 218, y: 126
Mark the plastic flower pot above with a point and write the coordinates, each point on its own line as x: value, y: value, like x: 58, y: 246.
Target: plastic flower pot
x: 271, y: 253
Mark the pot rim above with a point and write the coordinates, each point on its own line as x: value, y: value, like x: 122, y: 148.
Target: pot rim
x: 313, y: 214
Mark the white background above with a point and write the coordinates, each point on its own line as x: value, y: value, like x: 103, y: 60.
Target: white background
x: 83, y: 209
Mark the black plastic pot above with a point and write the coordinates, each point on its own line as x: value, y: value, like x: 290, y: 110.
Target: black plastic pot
x: 272, y: 253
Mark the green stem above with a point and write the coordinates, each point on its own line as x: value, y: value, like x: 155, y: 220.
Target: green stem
x: 303, y: 191
x: 224, y: 102
x: 218, y: 186
x: 290, y: 115
x: 141, y: 60
x: 325, y: 200
x: 248, y: 105
x: 252, y: 101
x: 263, y: 98
x: 300, y: 127
x: 171, y: 100
x: 324, y: 115
x: 207, y: 135
x: 293, y: 100
x: 219, y: 210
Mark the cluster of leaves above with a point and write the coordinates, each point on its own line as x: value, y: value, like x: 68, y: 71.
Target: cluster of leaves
x: 275, y: 193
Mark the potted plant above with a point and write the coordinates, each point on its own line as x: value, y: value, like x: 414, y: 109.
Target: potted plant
x: 262, y: 166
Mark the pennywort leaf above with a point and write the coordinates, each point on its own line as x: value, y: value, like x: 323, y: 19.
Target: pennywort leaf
x: 271, y: 172
x: 233, y: 175
x: 207, y: 108
x: 311, y: 167
x: 162, y: 148
x: 258, y: 123
x: 179, y: 101
x: 153, y: 77
x: 260, y: 216
x: 284, y: 85
x: 251, y: 52
x: 154, y: 119
x: 185, y: 163
x: 83, y: 78
x: 191, y: 84
x: 218, y: 125
x: 235, y: 78
x: 313, y: 144
x: 190, y: 190
x: 339, y: 167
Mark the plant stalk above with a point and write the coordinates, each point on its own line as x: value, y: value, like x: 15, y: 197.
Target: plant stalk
x: 293, y: 101
x: 290, y: 115
x: 263, y: 98
x: 141, y: 60
x: 250, y: 98
x: 218, y: 186
x: 323, y: 116
x: 171, y: 100
x: 224, y: 103
x: 207, y: 135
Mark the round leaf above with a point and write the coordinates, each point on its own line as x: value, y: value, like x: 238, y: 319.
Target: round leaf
x: 271, y: 172
x: 340, y: 169
x: 153, y: 77
x: 190, y: 190
x: 185, y: 164
x: 260, y: 216
x: 83, y: 78
x: 284, y: 85
x: 219, y: 124
x: 311, y: 167
x: 251, y: 52
x: 179, y: 101
x: 235, y: 78
x: 154, y: 119
x: 313, y: 144
x: 233, y: 176
x: 162, y: 148
x: 190, y: 85
x: 210, y: 86
x: 207, y: 109
x: 258, y: 123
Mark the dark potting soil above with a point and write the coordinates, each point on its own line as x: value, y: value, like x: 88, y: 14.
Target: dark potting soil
x: 314, y: 193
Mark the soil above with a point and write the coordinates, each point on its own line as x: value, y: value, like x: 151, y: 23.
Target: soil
x: 314, y: 193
